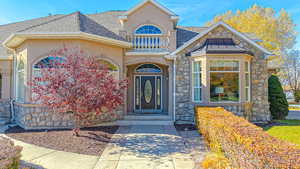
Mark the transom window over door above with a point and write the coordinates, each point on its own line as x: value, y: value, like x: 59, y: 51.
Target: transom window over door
x: 148, y: 68
x: 224, y: 81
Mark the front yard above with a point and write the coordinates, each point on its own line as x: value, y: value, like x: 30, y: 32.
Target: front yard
x: 288, y: 130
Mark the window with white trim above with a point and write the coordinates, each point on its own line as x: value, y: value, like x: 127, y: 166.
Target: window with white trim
x: 20, y: 80
x: 224, y: 80
x: 197, y: 85
x: 247, y: 81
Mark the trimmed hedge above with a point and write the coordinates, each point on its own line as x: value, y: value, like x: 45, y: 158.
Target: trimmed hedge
x: 9, y: 154
x: 244, y: 144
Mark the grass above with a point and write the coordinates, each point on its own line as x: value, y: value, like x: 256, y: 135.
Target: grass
x: 294, y: 108
x: 289, y: 131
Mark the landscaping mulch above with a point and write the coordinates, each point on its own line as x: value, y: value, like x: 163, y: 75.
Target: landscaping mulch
x: 92, y: 141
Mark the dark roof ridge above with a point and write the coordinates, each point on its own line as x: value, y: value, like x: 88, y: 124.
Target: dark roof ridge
x: 43, y: 23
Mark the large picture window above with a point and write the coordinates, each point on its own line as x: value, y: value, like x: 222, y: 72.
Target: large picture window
x: 224, y: 81
x: 197, y: 85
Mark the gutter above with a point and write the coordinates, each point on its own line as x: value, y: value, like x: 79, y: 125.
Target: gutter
x: 12, y: 101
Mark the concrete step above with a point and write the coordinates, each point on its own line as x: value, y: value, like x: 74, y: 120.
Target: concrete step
x: 147, y: 117
x: 143, y: 122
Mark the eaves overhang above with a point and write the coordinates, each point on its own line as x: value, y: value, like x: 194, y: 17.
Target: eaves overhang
x: 16, y: 39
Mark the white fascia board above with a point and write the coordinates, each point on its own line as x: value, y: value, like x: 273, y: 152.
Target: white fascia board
x: 18, y: 38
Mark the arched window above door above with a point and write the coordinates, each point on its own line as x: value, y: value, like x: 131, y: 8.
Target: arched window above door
x: 148, y: 29
x: 148, y: 68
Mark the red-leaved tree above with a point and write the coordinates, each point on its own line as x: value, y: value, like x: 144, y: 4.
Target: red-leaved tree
x: 72, y: 82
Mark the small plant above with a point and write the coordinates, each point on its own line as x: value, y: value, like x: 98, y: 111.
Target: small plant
x: 9, y: 154
x: 279, y: 106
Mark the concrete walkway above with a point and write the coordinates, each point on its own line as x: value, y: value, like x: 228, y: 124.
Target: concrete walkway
x: 132, y: 147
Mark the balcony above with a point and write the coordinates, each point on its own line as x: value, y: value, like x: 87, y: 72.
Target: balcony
x: 151, y: 43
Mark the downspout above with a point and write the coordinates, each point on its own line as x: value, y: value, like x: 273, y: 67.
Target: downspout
x: 13, y: 81
x: 174, y: 89
x: 12, y: 110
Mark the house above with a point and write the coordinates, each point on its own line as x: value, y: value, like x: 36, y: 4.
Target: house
x: 170, y: 68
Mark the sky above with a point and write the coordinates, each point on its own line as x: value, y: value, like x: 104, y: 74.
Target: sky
x: 191, y: 12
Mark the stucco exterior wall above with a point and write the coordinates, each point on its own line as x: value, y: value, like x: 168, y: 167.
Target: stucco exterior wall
x: 6, y: 74
x: 34, y: 50
x: 151, y: 14
x: 259, y: 81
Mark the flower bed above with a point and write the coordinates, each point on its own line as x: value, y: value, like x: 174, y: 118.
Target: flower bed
x: 9, y: 154
x: 244, y: 144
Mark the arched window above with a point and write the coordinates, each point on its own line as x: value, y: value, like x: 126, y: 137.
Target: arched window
x: 114, y: 70
x: 148, y: 68
x: 148, y: 29
x: 20, y: 79
x: 48, y: 62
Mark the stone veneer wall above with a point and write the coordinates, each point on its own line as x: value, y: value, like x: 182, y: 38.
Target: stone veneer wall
x: 30, y: 116
x: 259, y: 81
x: 5, y: 109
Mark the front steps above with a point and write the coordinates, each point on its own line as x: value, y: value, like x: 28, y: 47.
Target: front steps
x: 131, y: 120
x: 145, y: 120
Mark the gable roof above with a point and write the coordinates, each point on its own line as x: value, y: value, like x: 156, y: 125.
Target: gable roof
x: 244, y: 37
x: 157, y: 4
x: 220, y: 46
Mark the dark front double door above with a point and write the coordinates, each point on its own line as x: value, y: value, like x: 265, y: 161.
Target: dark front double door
x: 148, y: 97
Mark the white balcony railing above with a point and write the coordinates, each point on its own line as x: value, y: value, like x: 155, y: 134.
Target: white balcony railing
x: 149, y: 42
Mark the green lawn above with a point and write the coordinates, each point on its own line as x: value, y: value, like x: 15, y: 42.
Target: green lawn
x: 289, y: 132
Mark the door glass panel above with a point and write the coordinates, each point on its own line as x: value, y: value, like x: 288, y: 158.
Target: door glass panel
x: 148, y: 91
x: 137, y: 92
x: 158, y: 92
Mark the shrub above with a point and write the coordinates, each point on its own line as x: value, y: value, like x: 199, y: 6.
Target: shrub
x: 244, y: 144
x: 279, y: 106
x: 215, y: 161
x: 297, y: 96
x: 9, y: 154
